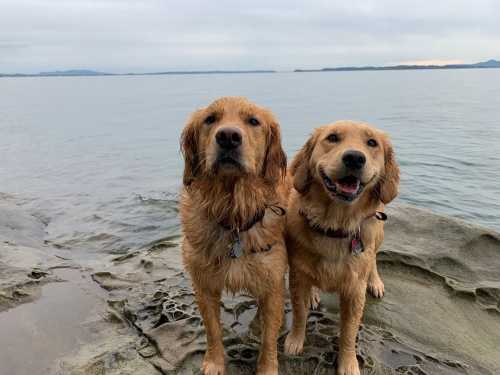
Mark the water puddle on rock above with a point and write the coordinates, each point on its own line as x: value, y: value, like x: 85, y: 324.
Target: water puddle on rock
x: 34, y: 335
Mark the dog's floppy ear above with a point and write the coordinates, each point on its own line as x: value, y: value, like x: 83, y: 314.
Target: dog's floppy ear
x: 189, y: 149
x: 274, y: 167
x: 388, y: 187
x: 300, y: 166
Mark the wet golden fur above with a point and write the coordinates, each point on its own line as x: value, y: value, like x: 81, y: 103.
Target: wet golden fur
x: 234, y: 196
x: 318, y: 261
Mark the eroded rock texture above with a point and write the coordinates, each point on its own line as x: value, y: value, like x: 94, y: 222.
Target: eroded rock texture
x: 440, y: 314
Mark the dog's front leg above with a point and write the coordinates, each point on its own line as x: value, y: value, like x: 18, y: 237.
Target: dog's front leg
x: 271, y: 314
x: 209, y: 305
x: 351, y: 311
x: 300, y: 290
x: 375, y: 283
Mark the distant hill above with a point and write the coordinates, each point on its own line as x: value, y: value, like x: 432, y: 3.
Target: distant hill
x: 74, y: 72
x: 200, y: 72
x: 488, y: 64
x: 86, y: 73
x: 480, y: 65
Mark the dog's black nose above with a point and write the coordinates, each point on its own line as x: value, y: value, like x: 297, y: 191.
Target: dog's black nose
x: 228, y: 138
x: 354, y: 159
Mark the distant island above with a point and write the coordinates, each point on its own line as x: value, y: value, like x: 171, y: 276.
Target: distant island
x: 490, y: 64
x: 93, y: 73
x: 480, y: 65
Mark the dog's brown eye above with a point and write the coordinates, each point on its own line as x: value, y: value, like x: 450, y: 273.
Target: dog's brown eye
x: 210, y: 119
x: 333, y: 138
x: 372, y: 143
x: 253, y: 121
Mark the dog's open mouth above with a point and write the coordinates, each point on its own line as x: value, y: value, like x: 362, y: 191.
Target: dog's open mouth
x: 347, y: 188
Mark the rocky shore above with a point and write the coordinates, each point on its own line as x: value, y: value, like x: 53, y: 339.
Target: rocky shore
x: 135, y: 313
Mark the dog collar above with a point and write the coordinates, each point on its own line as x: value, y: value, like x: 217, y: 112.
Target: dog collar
x: 332, y: 233
x: 258, y: 217
x: 278, y: 210
x: 356, y: 244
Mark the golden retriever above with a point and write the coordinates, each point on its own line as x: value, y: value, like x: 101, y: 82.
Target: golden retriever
x: 343, y: 176
x: 232, y: 217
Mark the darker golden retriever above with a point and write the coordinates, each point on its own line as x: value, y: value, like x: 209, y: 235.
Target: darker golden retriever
x: 343, y: 176
x: 232, y: 218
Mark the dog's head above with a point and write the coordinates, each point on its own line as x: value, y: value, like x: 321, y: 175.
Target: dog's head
x: 232, y: 137
x: 347, y: 159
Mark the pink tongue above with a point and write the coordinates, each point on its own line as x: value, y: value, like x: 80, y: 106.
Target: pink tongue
x: 349, y: 188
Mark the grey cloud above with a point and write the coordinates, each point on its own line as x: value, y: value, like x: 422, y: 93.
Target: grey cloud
x: 149, y: 35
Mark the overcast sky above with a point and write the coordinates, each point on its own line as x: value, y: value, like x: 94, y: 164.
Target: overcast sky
x: 156, y: 35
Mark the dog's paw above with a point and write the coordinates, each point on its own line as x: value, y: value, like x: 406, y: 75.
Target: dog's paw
x: 376, y: 287
x: 315, y: 298
x: 348, y: 365
x: 210, y: 367
x: 294, y: 344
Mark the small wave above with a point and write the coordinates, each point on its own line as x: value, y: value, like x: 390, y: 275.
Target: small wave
x: 408, y: 163
x: 146, y: 228
x: 170, y: 201
x: 6, y: 197
x: 81, y: 237
x: 445, y: 160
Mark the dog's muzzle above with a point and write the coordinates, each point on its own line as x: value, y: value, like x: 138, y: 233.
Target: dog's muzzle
x: 229, y: 141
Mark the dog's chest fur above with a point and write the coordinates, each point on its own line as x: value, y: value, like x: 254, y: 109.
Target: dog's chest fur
x: 207, y: 247
x: 328, y: 262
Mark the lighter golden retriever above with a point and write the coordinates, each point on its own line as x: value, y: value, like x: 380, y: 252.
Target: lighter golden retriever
x: 232, y: 217
x: 343, y: 177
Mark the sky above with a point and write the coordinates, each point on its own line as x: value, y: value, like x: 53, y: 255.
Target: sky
x: 163, y: 35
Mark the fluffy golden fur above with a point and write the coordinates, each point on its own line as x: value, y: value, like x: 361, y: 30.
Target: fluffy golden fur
x: 225, y: 188
x: 331, y: 195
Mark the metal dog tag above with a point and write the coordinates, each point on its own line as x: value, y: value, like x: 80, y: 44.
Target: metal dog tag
x: 236, y: 250
x: 357, y: 246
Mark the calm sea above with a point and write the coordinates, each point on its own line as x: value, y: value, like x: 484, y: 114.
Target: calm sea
x: 98, y: 158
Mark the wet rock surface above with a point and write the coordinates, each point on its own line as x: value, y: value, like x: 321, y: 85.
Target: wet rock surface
x: 440, y: 313
x: 24, y: 263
